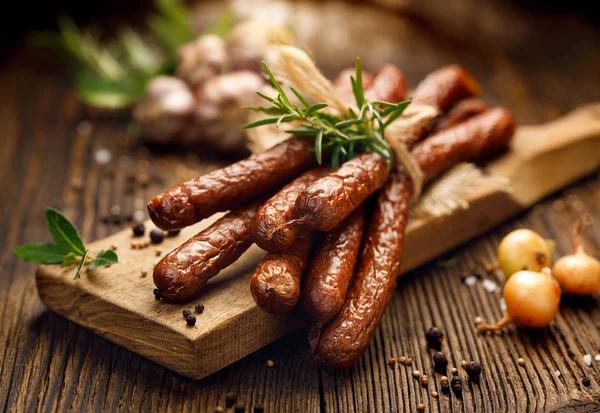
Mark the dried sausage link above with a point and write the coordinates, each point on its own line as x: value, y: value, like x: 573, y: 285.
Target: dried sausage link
x: 332, y: 267
x: 461, y: 111
x: 232, y: 186
x: 349, y: 334
x: 275, y: 285
x: 185, y: 270
x: 444, y: 86
x: 269, y: 229
x: 329, y: 200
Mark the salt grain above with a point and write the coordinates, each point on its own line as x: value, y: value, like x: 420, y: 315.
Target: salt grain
x: 597, y: 358
x: 489, y: 286
x: 102, y: 156
x: 470, y: 281
x: 557, y: 373
x: 587, y: 359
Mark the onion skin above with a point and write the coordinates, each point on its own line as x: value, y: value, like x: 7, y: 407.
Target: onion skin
x: 523, y: 249
x: 578, y: 274
x: 531, y: 298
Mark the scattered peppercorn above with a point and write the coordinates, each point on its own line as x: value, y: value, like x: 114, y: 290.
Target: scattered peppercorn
x: 190, y: 319
x: 473, y: 369
x: 521, y: 362
x: 157, y: 294
x: 239, y: 408
x: 420, y: 407
x: 440, y: 362
x: 219, y: 409
x: 173, y: 233
x: 392, y: 362
x: 186, y: 313
x: 270, y: 363
x: 143, y: 273
x: 259, y: 409
x: 445, y: 386
x: 230, y: 399
x: 416, y: 373
x: 158, y: 252
x: 138, y: 229
x: 157, y: 236
x: 586, y: 382
x: 424, y: 380
x: 114, y: 247
x: 454, y: 371
x: 456, y: 386
x: 199, y: 308
x: 434, y: 338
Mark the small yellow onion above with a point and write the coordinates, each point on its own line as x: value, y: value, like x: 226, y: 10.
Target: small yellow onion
x: 578, y: 273
x: 531, y: 298
x: 524, y: 249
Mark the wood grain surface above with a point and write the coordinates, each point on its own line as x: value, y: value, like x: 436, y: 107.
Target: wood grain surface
x: 117, y: 302
x: 544, y: 65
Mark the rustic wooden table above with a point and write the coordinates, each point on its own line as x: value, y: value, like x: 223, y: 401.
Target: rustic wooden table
x: 538, y: 64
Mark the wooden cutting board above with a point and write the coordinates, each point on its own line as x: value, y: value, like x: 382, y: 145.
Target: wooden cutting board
x: 118, y: 304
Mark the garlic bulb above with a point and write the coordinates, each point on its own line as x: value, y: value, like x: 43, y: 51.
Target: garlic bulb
x: 201, y: 59
x: 165, y: 109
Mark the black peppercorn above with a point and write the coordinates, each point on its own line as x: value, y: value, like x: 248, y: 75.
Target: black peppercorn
x: 434, y: 338
x: 440, y: 362
x: 157, y: 294
x: 138, y: 229
x: 445, y: 386
x: 473, y: 369
x: 199, y: 308
x: 456, y: 386
x: 173, y: 233
x: 240, y: 408
x: 259, y: 409
x: 586, y: 382
x: 186, y: 313
x: 230, y: 399
x: 190, y: 319
x: 157, y: 236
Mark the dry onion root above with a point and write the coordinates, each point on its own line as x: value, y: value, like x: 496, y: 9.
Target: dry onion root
x: 531, y: 298
x: 524, y: 249
x: 578, y: 273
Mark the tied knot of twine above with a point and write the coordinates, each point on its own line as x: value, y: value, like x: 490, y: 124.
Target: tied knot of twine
x: 295, y: 68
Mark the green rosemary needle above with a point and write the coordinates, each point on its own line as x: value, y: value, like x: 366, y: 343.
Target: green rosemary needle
x: 343, y: 136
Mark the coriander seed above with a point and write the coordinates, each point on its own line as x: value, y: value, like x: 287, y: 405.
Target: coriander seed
x: 454, y: 371
x: 392, y: 362
x: 416, y: 373
x: 270, y: 363
x: 521, y: 361
x: 402, y: 360
x: 420, y: 407
x: 434, y: 394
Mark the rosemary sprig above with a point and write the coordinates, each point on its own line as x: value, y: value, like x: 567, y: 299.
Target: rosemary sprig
x: 342, y: 136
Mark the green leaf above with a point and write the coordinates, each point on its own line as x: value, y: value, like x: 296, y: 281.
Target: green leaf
x: 70, y: 259
x: 103, y: 259
x: 314, y: 108
x: 276, y: 84
x: 357, y: 87
x: 397, y: 112
x: 300, y: 97
x: 335, y: 158
x: 64, y: 233
x: 83, y: 259
x: 41, y: 253
x: 304, y: 132
x: 319, y: 147
x: 268, y: 111
x: 261, y: 122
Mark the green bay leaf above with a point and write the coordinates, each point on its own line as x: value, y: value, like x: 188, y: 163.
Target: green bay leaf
x: 41, y: 253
